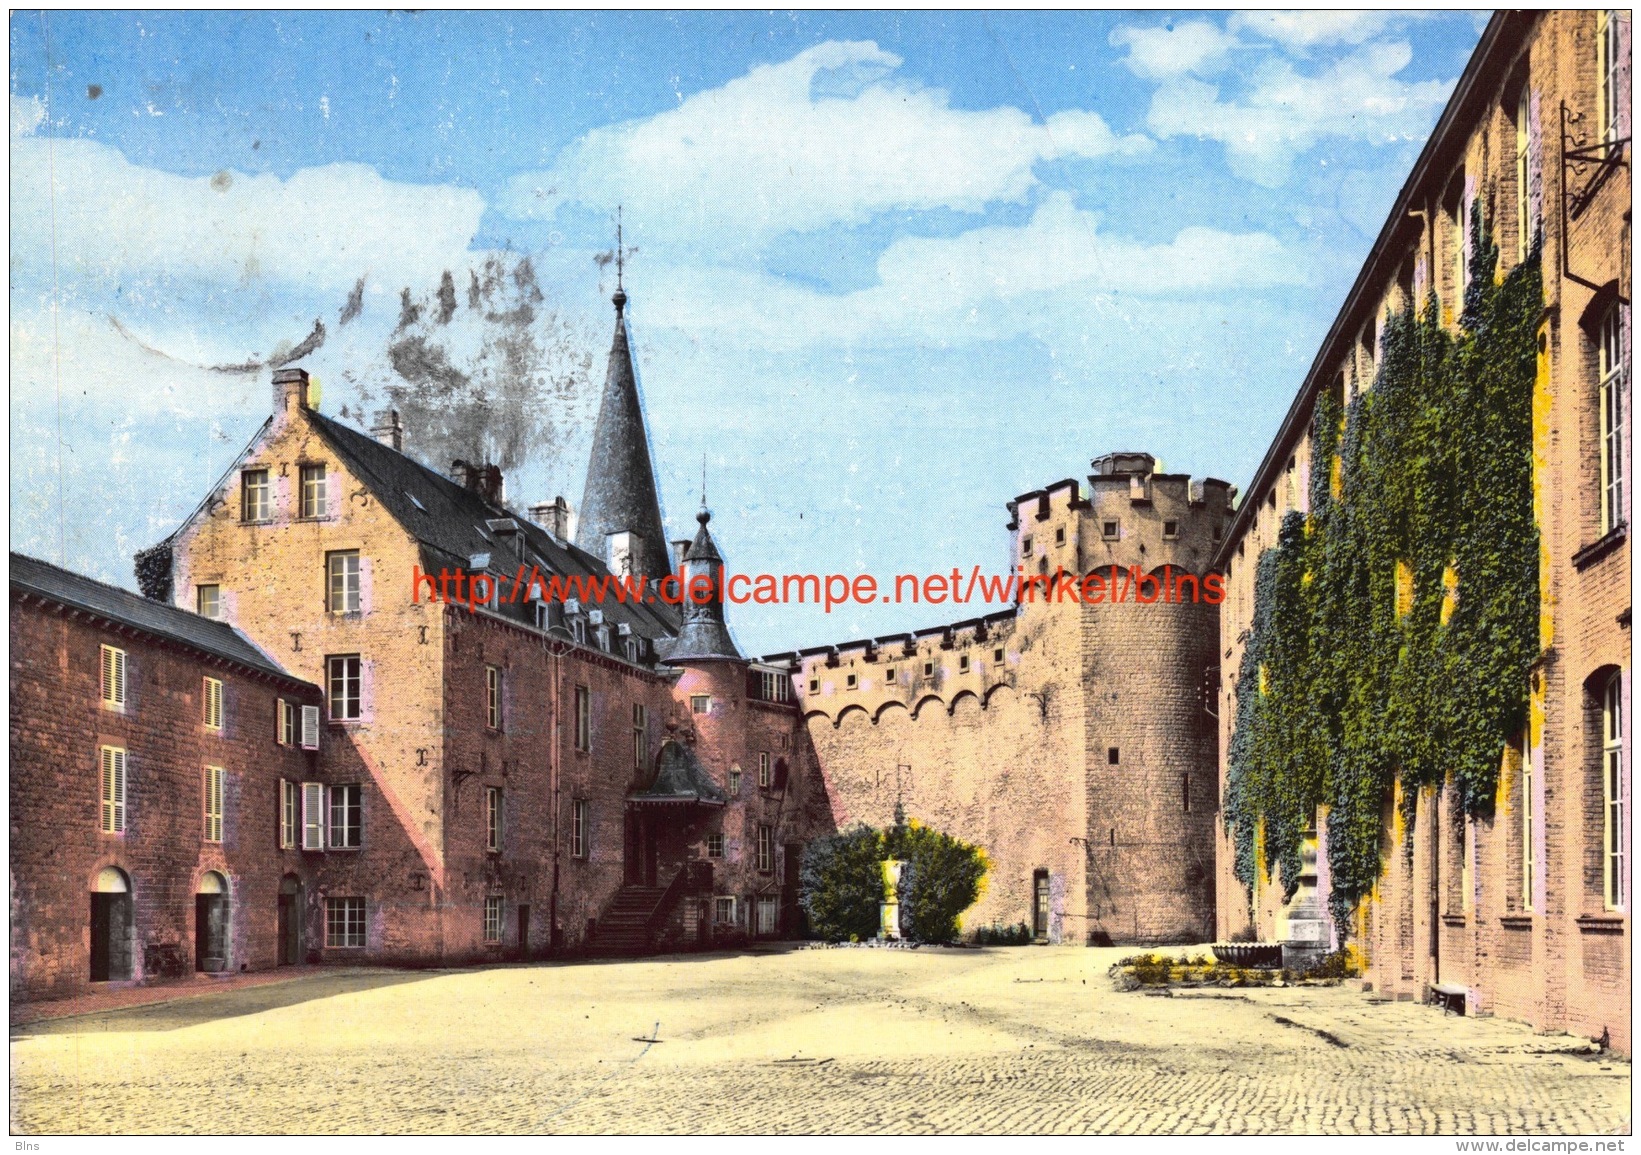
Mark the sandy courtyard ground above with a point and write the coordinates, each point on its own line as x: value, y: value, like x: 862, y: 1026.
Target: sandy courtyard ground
x: 1000, y: 1041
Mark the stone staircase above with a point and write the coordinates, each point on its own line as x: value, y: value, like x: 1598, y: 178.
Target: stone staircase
x: 624, y: 929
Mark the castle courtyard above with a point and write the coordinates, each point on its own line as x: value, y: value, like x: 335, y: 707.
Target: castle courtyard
x: 998, y: 1040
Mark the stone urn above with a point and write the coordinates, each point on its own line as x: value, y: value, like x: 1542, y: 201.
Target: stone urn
x: 889, y: 908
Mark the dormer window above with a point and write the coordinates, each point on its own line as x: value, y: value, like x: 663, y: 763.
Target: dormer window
x: 578, y: 630
x: 210, y: 601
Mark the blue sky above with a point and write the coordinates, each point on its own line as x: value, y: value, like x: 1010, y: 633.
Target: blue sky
x: 892, y: 269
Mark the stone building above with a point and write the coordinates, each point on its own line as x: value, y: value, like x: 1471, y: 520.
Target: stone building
x: 152, y: 754
x: 503, y: 771
x: 1525, y: 913
x: 1072, y: 740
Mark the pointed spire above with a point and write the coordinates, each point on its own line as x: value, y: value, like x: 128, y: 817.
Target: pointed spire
x: 620, y: 495
x: 705, y: 634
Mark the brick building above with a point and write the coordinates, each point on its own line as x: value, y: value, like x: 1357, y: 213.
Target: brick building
x: 1071, y: 740
x: 152, y: 755
x: 1527, y: 912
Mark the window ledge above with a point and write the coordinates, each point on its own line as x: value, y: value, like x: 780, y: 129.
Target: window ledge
x: 1520, y: 921
x: 1601, y: 546
x: 1454, y: 920
x: 1608, y: 922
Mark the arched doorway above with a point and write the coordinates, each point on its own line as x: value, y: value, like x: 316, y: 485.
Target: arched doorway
x: 111, y: 926
x: 290, y: 920
x: 211, y: 923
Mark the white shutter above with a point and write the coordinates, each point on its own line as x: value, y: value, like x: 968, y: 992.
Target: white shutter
x: 119, y: 789
x: 113, y: 676
x: 213, y: 803
x: 107, y: 792
x: 310, y: 727
x: 313, y: 816
x: 213, y: 704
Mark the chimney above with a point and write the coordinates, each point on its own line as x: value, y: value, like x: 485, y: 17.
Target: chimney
x: 484, y: 480
x: 290, y: 390
x: 680, y: 551
x: 389, y: 430
x: 554, y: 516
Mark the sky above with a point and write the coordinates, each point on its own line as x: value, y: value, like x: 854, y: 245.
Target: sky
x: 888, y: 271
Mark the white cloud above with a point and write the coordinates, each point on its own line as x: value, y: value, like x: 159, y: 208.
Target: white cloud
x: 321, y: 229
x: 989, y: 283
x: 825, y: 138
x: 1166, y: 51
x: 1302, y: 30
x: 1282, y: 113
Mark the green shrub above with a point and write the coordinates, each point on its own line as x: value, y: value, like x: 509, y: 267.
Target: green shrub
x: 941, y: 879
x: 840, y: 884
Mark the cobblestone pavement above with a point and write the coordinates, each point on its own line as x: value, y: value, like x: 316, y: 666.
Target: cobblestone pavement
x: 1000, y: 1041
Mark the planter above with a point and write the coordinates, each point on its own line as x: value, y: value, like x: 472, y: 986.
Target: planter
x: 1254, y: 955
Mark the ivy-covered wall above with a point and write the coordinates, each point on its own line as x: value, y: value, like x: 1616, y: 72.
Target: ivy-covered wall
x: 1394, y: 626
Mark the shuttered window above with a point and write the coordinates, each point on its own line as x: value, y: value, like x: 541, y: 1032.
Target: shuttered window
x: 215, y: 778
x: 113, y: 790
x: 310, y: 727
x: 213, y: 704
x: 290, y: 813
x: 313, y: 816
x: 113, y: 676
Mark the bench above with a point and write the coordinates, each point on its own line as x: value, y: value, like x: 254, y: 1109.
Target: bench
x: 1451, y: 996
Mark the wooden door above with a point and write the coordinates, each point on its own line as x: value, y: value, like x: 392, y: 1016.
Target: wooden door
x: 111, y: 917
x: 1039, y: 904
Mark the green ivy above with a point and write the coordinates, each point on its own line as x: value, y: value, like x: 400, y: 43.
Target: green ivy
x: 1435, y: 473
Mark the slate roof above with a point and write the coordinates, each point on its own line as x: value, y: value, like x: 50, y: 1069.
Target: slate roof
x: 450, y: 521
x: 620, y: 491
x: 681, y: 778
x: 705, y: 633
x: 159, y: 619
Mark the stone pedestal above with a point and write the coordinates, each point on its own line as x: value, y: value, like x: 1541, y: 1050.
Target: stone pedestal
x: 1306, y: 942
x: 889, y: 908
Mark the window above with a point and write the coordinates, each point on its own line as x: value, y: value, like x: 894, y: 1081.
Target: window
x: 928, y: 669
x: 700, y: 703
x: 724, y: 909
x: 850, y: 682
x: 113, y: 677
x: 313, y: 816
x: 314, y: 503
x: 734, y: 781
x: 1059, y: 535
x: 285, y: 723
x: 768, y: 915
x: 214, y: 781
x: 290, y: 810
x: 342, y: 581
x: 113, y: 790
x: 715, y: 846
x: 578, y: 828
x: 1025, y: 546
x: 640, y: 737
x: 766, y: 849
x: 1524, y: 204
x: 775, y: 686
x: 1185, y: 791
x: 1612, y: 392
x: 962, y: 663
x: 310, y: 727
x: 1461, y: 255
x: 997, y: 656
x: 344, y: 817
x: 255, y: 498
x: 1170, y: 530
x: 492, y: 917
x: 344, y: 922
x: 763, y: 770
x: 1111, y: 755
x: 1612, y: 792
x: 213, y: 704
x: 814, y: 685
x: 208, y: 600
x: 583, y: 718
x: 492, y: 697
x: 1528, y: 860
x: 1108, y: 530
x: 342, y: 675
x: 578, y: 630
x: 1609, y: 59
x: 492, y: 819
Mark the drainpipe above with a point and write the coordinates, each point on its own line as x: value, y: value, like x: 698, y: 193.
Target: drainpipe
x: 556, y: 663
